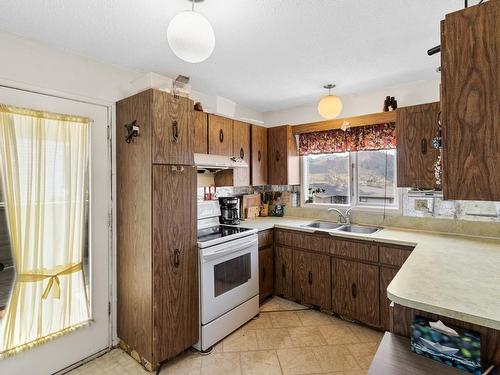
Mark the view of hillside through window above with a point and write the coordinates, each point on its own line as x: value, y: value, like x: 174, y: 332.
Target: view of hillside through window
x: 372, y: 180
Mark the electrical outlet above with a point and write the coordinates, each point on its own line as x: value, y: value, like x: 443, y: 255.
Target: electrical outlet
x: 421, y: 205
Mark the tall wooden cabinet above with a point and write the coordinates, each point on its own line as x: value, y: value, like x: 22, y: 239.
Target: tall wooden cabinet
x: 157, y: 257
x: 259, y: 155
x: 415, y: 129
x: 283, y: 156
x: 470, y: 84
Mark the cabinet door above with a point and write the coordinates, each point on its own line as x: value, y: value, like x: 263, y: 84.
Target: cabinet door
x: 266, y: 272
x: 367, y: 294
x: 259, y: 155
x: 220, y: 135
x: 175, y: 261
x: 173, y: 133
x: 320, y: 288
x: 277, y: 155
x: 301, y: 276
x: 283, y: 159
x: 470, y: 76
x: 283, y: 262
x: 386, y: 276
x: 200, y: 132
x: 344, y: 278
x: 416, y: 127
x: 241, y: 148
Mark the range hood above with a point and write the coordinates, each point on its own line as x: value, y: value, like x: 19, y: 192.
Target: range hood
x: 218, y: 162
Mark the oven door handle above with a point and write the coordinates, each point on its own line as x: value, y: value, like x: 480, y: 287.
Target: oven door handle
x: 223, y: 252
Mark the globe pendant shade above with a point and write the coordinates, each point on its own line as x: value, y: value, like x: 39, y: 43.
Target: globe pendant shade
x: 191, y: 37
x: 330, y: 106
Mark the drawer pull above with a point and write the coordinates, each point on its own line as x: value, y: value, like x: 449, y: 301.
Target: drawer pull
x: 175, y: 131
x: 177, y: 257
x: 354, y: 290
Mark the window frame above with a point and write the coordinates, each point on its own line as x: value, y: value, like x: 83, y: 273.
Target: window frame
x: 395, y: 208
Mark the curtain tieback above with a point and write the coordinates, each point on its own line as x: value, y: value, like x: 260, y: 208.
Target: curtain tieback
x: 53, y: 276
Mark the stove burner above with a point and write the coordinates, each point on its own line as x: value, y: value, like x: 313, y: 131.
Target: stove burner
x: 218, y: 231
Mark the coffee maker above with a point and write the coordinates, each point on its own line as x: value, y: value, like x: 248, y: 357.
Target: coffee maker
x: 230, y: 210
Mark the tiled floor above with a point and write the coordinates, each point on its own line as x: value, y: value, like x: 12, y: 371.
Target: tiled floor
x: 284, y: 339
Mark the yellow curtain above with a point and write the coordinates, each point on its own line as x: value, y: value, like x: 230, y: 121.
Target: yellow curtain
x: 44, y: 172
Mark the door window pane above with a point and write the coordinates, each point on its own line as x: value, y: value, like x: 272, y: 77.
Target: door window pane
x: 231, y: 274
x: 328, y: 178
x: 376, y: 177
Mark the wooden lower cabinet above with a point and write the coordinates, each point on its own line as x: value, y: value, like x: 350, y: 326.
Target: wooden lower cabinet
x: 283, y: 269
x: 266, y: 272
x: 355, y: 290
x: 386, y: 276
x: 312, y: 279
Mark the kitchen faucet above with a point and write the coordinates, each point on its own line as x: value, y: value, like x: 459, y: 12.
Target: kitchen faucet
x: 344, y: 217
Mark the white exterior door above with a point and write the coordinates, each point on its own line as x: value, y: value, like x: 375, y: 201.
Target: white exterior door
x: 73, y: 347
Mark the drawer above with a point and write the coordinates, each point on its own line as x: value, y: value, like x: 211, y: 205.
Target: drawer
x: 266, y: 238
x: 394, y: 256
x: 356, y: 250
x: 314, y: 242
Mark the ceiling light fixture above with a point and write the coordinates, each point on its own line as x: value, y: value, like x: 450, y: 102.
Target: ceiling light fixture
x: 329, y: 106
x: 190, y: 36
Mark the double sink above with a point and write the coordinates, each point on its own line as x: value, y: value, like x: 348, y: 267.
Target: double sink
x: 327, y: 225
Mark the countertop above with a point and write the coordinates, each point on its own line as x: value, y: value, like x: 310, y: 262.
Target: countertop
x: 450, y: 275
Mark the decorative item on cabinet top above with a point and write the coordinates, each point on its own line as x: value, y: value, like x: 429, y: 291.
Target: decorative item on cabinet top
x: 132, y: 131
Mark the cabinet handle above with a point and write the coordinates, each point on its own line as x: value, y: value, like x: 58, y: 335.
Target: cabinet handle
x: 175, y: 131
x: 177, y: 257
x: 2, y: 267
x: 221, y: 136
x: 423, y: 146
x: 242, y: 153
x: 263, y: 274
x: 258, y: 155
x: 283, y: 270
x: 354, y: 290
x: 277, y: 155
x: 310, y: 278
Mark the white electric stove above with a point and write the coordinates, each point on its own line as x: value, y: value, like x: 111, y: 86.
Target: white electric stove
x: 229, y: 285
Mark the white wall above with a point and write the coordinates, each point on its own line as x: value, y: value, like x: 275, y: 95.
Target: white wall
x: 360, y: 104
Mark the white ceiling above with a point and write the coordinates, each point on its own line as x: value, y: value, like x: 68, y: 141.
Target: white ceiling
x: 269, y: 54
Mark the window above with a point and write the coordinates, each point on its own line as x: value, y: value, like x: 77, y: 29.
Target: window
x: 363, y: 178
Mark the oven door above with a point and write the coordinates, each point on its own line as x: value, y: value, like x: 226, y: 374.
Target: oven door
x: 229, y: 276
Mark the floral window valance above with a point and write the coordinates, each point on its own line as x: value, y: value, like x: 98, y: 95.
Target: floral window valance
x: 360, y: 138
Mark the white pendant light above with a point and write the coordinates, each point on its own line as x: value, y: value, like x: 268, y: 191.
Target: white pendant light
x: 190, y: 36
x: 330, y: 105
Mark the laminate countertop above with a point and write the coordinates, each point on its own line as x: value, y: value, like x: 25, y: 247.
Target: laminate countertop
x: 451, y: 275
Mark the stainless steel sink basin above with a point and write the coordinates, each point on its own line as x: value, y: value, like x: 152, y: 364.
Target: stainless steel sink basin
x: 323, y: 225
x: 358, y: 229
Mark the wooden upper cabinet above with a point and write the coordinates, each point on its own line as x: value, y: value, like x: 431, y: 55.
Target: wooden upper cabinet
x: 241, y: 148
x: 200, y: 120
x: 173, y: 133
x: 415, y: 129
x: 259, y: 155
x: 470, y: 97
x: 283, y: 156
x: 220, y: 135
